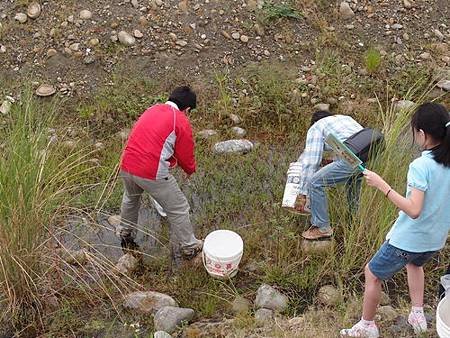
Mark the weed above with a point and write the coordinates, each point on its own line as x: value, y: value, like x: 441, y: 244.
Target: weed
x: 372, y: 60
x: 272, y: 11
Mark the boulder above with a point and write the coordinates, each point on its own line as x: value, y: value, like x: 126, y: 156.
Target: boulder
x: 148, y: 301
x: 169, y: 318
x: 269, y: 298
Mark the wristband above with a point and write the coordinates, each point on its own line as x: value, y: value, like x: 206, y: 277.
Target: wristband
x: 387, y: 194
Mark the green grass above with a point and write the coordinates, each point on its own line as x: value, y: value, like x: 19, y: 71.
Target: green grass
x: 273, y: 11
x: 372, y: 60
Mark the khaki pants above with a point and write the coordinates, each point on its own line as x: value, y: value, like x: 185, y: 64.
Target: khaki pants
x: 168, y: 194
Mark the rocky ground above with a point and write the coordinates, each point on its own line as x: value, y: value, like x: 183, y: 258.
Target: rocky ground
x: 76, y: 49
x: 75, y: 46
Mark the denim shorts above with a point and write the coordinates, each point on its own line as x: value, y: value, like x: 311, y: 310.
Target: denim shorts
x: 389, y: 260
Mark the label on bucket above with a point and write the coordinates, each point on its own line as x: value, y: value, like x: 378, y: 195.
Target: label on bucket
x: 291, y: 188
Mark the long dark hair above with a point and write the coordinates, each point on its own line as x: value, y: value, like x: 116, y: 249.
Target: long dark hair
x: 434, y: 120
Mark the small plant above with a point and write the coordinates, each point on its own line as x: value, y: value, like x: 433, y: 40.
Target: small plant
x: 372, y: 60
x: 271, y: 11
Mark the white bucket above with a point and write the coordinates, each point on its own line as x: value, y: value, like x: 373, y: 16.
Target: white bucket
x: 292, y: 185
x: 222, y: 253
x: 443, y: 317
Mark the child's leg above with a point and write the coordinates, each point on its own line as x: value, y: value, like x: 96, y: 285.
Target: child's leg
x: 372, y: 293
x: 416, y: 282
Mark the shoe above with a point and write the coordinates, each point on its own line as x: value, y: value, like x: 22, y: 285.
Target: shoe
x: 360, y: 330
x: 129, y: 245
x: 314, y: 233
x: 191, y: 252
x: 418, y: 321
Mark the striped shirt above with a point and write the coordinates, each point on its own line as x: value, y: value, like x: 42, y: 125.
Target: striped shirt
x: 341, y: 126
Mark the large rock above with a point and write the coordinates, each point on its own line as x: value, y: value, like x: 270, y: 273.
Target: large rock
x: 126, y: 39
x: 45, y: 90
x: 269, y: 298
x: 21, y: 17
x: 148, y: 301
x: 127, y: 264
x: 233, y: 146
x: 345, y: 11
x: 238, y: 131
x: 169, y: 318
x: 329, y: 295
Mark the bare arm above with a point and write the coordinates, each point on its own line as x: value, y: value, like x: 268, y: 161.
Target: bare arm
x: 412, y: 205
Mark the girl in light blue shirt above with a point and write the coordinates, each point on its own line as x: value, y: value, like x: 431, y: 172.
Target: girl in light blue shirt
x: 423, y: 223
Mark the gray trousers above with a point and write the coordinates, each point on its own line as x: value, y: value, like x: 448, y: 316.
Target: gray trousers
x: 168, y: 194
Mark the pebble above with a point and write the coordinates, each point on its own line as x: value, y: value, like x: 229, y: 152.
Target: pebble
x: 181, y: 43
x: 135, y: 3
x: 233, y: 146
x: 322, y: 106
x: 425, y: 56
x: 158, y: 3
x: 235, y: 118
x: 94, y: 42
x: 236, y: 35
x: 45, y: 90
x: 263, y: 316
x: 88, y: 60
x: 397, y: 26
x: 226, y: 35
x: 438, y: 34
x: 2, y: 49
x: 206, y: 133
x: 259, y: 29
x: 79, y: 257
x: 345, y: 11
x: 127, y: 264
x: 51, y: 52
x: 404, y: 105
x: 85, y: 14
x: 75, y: 47
x: 126, y: 39
x: 5, y: 108
x: 407, y: 4
x: 329, y: 295
x: 387, y: 313
x: 173, y: 36
x: 161, y: 334
x: 34, y: 10
x: 444, y: 84
x: 317, y: 247
x: 244, y: 38
x: 138, y: 34
x: 21, y: 17
x: 240, y: 305
x: 238, y: 131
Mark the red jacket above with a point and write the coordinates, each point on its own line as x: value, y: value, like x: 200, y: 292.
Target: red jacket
x: 161, y: 138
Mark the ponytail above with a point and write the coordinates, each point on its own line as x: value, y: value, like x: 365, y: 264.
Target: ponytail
x: 442, y: 153
x: 434, y: 120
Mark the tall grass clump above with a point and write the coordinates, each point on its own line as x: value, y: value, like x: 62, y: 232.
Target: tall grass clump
x: 365, y: 232
x: 36, y: 181
x: 372, y: 60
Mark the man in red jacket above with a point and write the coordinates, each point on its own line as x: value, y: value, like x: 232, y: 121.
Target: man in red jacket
x: 160, y: 139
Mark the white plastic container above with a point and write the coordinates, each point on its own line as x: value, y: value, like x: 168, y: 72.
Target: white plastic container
x: 443, y: 317
x: 292, y: 185
x: 222, y: 253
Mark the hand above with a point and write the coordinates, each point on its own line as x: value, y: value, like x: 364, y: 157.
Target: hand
x: 374, y: 180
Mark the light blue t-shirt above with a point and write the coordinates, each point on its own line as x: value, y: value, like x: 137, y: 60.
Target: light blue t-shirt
x: 429, y: 231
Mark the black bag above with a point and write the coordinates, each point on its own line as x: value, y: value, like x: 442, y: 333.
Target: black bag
x: 365, y: 143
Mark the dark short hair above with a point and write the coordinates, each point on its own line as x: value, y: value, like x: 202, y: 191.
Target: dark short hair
x: 318, y: 115
x: 184, y: 97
